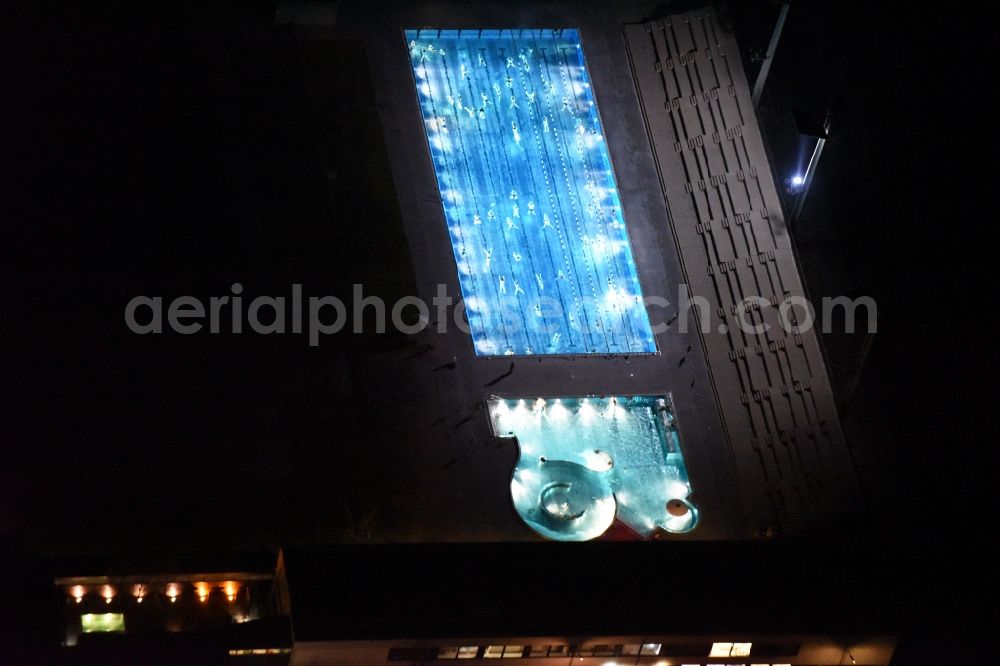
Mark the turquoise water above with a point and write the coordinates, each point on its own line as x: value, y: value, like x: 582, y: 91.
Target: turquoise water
x: 528, y: 191
x: 585, y: 461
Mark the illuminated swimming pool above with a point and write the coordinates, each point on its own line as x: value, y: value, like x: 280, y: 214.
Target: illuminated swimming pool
x: 586, y: 461
x: 528, y: 191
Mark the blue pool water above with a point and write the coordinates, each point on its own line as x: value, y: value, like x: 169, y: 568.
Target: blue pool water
x: 528, y: 191
x: 585, y: 461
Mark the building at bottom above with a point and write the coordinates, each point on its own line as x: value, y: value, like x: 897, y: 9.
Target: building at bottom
x: 600, y: 604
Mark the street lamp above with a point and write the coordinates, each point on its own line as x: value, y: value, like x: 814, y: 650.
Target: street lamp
x: 814, y: 127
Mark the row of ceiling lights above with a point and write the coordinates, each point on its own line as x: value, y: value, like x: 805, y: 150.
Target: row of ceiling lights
x: 171, y: 590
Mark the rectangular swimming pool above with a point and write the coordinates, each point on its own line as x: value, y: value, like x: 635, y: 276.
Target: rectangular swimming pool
x: 528, y: 191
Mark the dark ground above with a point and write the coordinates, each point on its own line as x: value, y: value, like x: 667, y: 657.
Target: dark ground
x: 175, y: 151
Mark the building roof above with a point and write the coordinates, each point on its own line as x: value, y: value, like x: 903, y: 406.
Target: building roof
x: 372, y: 592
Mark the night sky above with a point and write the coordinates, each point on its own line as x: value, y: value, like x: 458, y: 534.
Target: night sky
x: 166, y: 151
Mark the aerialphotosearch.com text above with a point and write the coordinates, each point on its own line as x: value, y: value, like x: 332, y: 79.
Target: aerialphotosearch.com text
x: 318, y: 316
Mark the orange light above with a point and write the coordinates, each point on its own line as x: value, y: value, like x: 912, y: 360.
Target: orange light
x: 230, y: 588
x: 173, y: 591
x: 203, y: 589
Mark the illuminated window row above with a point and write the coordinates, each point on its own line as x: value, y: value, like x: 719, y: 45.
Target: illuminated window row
x: 730, y: 650
x: 595, y: 650
x: 537, y: 651
x: 248, y: 652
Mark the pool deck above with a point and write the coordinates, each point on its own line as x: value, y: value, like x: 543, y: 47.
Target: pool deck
x: 463, y: 470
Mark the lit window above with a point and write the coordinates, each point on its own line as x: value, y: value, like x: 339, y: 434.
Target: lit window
x: 102, y: 622
x: 730, y: 650
x: 537, y: 651
x: 558, y: 650
x: 631, y: 650
x: 468, y: 651
x: 447, y: 653
x: 513, y: 651
x: 740, y: 650
x: 493, y: 652
x: 720, y: 649
x: 650, y: 649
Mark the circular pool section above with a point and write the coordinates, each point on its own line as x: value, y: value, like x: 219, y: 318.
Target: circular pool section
x: 562, y: 500
x: 585, y: 462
